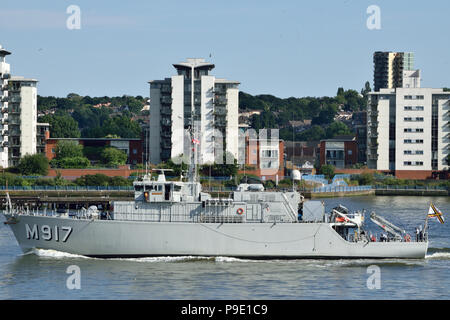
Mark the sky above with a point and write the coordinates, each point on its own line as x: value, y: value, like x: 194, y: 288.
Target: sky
x: 284, y: 48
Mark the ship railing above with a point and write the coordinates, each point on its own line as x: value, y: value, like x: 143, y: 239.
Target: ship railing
x: 67, y: 188
x: 179, y: 217
x: 79, y: 214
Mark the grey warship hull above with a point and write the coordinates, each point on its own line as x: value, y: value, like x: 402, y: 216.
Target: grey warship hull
x: 110, y: 238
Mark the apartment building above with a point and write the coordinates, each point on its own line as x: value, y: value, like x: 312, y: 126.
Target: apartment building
x: 408, y: 131
x: 341, y: 151
x: 4, y: 77
x: 266, y: 156
x: 395, y: 70
x: 133, y: 147
x: 193, y: 100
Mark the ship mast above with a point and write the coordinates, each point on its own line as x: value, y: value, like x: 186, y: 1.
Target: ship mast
x: 192, y: 131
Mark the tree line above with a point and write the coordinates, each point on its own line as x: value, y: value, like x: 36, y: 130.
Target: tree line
x: 277, y: 113
x: 75, y: 116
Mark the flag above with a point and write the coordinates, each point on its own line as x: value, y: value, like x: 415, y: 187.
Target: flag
x: 434, y: 212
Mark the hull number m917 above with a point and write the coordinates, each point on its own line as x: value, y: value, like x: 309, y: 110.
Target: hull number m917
x: 48, y: 233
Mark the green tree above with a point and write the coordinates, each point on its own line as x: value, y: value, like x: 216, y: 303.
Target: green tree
x: 113, y: 157
x: 226, y: 169
x: 68, y: 149
x: 316, y: 133
x: 69, y: 154
x: 327, y: 170
x: 337, y: 128
x: 62, y: 126
x: 36, y: 164
x: 93, y: 180
x: 71, y: 163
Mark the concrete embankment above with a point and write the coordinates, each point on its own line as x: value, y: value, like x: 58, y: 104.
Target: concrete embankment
x: 314, y: 195
x: 69, y: 197
x: 412, y: 192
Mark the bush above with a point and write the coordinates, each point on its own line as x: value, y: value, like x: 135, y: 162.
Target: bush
x: 71, y: 163
x: 36, y: 164
x: 327, y: 170
x: 113, y: 157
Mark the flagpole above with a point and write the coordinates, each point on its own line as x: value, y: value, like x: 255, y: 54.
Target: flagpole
x: 425, y: 228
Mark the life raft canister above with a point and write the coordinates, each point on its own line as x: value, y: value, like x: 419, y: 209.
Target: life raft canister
x: 240, y: 211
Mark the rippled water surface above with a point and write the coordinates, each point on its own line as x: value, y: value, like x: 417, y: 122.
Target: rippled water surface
x: 42, y: 274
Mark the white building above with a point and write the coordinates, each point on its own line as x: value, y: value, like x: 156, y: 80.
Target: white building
x: 21, y: 134
x: 213, y: 106
x: 4, y: 76
x: 408, y: 131
x: 26, y: 135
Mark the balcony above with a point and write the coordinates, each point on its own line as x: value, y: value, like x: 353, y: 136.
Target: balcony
x: 166, y: 134
x: 15, y: 99
x: 4, y: 99
x: 218, y: 100
x: 166, y: 144
x: 166, y: 100
x: 166, y: 122
x: 6, y: 76
x: 14, y: 122
x: 219, y: 123
x: 220, y: 90
x: 166, y: 111
x: 220, y: 111
x: 166, y: 89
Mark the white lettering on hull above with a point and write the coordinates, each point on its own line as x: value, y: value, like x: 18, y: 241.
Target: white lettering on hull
x: 47, y: 233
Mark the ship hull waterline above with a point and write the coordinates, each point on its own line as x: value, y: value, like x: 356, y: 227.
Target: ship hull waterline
x: 112, y: 238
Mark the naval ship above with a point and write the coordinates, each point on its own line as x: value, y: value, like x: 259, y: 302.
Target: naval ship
x: 175, y: 218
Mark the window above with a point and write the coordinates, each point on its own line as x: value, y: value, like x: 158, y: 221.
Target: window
x: 413, y: 141
x: 134, y: 151
x: 413, y: 130
x: 413, y: 163
x: 409, y: 119
x: 410, y: 152
x: 269, y: 153
x: 415, y: 108
x: 419, y: 97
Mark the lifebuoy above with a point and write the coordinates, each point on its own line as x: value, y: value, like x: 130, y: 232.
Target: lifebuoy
x: 408, y: 238
x: 240, y: 211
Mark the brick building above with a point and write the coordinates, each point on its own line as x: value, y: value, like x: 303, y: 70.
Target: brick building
x: 133, y: 147
x: 341, y: 151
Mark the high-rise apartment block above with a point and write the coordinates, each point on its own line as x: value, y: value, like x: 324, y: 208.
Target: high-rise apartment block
x: 5, y: 75
x: 408, y: 131
x: 193, y: 99
x: 395, y: 70
x: 21, y: 134
x: 26, y: 135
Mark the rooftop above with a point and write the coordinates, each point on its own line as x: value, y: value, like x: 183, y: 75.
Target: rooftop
x: 19, y: 78
x: 3, y: 52
x: 194, y: 62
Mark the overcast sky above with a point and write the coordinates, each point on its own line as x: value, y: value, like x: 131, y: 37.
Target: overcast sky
x: 285, y: 48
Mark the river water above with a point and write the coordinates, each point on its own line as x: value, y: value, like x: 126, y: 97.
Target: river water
x: 43, y: 274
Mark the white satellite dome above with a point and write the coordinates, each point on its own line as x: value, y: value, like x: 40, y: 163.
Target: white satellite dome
x: 296, y: 175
